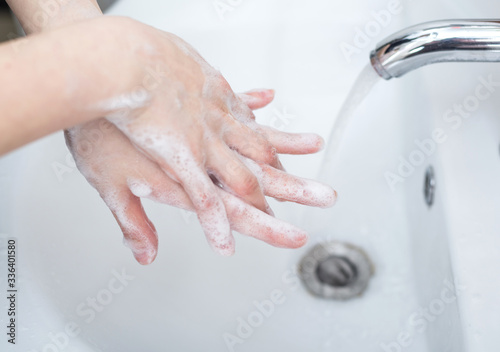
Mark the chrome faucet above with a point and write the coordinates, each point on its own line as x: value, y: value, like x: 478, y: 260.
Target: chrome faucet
x: 438, y: 41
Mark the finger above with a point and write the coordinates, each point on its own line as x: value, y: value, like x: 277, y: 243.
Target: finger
x: 292, y: 143
x: 208, y: 206
x: 283, y: 142
x: 252, y: 144
x: 283, y: 186
x: 257, y: 98
x: 138, y: 231
x: 235, y: 177
x: 249, y: 221
x: 286, y: 187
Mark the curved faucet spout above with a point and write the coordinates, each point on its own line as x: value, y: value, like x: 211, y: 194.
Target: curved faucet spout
x: 439, y: 41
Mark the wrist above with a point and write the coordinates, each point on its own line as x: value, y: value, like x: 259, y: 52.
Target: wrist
x: 132, y: 80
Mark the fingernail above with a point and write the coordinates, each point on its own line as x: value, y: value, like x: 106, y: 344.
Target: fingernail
x: 145, y: 258
x: 145, y: 255
x: 270, y: 92
x: 300, y: 238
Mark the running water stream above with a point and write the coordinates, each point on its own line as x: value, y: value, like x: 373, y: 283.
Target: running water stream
x: 359, y: 91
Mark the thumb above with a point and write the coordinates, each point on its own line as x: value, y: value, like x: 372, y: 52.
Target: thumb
x: 257, y: 98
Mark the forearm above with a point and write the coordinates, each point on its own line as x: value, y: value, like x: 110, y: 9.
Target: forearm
x: 52, y: 81
x: 38, y: 15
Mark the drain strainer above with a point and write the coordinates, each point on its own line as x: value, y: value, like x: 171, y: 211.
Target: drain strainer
x: 429, y: 186
x: 335, y: 270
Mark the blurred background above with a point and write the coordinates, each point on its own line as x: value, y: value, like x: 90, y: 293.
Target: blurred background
x: 8, y: 27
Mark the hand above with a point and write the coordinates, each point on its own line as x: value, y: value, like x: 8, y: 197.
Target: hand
x: 123, y: 175
x: 194, y: 128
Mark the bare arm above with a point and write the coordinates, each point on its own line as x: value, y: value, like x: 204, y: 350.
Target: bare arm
x: 51, y: 81
x: 38, y: 15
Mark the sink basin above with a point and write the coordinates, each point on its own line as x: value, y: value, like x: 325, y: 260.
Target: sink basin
x: 435, y: 284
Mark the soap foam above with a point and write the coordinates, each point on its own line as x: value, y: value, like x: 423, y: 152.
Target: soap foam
x: 119, y: 107
x: 139, y: 188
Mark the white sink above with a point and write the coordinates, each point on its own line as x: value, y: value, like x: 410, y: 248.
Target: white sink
x: 70, y: 250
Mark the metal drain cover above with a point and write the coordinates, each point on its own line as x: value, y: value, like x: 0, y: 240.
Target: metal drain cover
x: 335, y: 270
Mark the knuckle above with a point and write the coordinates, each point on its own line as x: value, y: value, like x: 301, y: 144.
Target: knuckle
x: 233, y: 169
x: 269, y: 154
x: 251, y: 145
x: 236, y: 212
x: 248, y: 184
x: 206, y: 201
x: 246, y: 148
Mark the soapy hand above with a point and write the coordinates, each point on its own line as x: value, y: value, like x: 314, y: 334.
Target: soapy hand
x: 123, y: 175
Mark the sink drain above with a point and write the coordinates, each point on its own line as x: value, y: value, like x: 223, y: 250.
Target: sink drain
x: 335, y: 270
x: 429, y: 186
